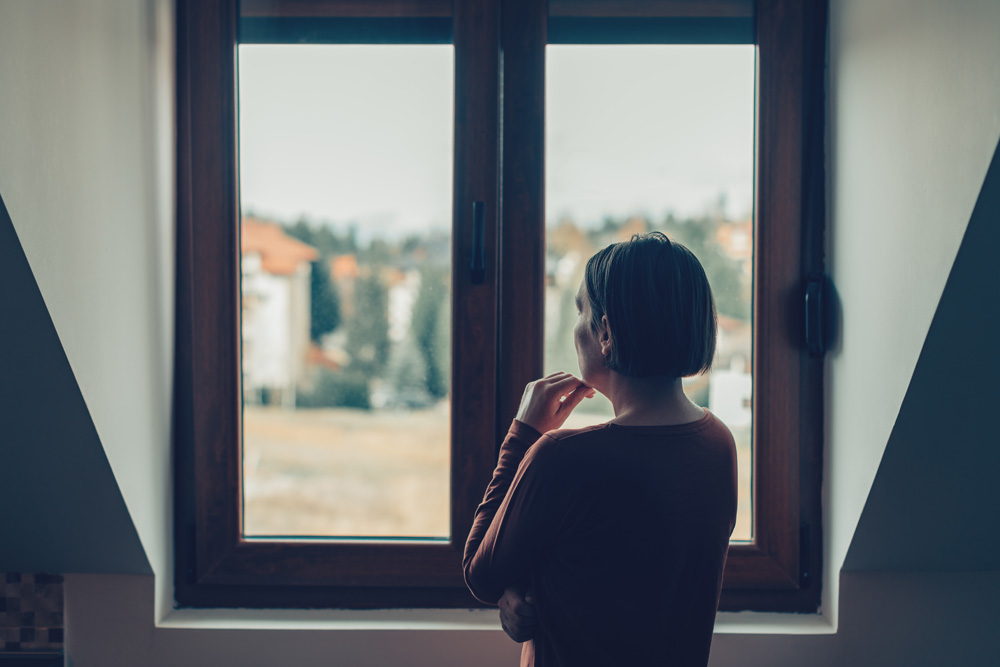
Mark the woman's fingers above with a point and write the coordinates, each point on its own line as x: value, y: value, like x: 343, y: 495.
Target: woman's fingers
x: 566, y: 384
x: 576, y: 397
x: 570, y: 385
x: 547, y: 402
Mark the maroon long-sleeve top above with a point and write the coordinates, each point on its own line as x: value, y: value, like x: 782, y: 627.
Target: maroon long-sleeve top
x: 621, y: 532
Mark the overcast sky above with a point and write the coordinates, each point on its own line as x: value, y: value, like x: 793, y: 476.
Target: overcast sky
x: 363, y: 134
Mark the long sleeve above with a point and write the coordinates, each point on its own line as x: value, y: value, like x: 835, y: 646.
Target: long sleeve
x: 504, y: 532
x: 630, y: 518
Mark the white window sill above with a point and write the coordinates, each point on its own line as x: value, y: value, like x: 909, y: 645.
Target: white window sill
x: 448, y: 620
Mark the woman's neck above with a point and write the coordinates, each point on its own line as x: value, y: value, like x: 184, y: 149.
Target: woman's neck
x: 650, y: 401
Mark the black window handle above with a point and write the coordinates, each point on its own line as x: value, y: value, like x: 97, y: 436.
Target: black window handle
x: 817, y: 320
x: 477, y: 264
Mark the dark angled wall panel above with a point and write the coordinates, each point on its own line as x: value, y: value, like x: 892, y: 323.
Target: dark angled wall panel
x: 933, y: 505
x: 60, y: 507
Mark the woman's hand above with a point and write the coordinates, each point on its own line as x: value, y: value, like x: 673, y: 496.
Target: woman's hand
x: 517, y: 614
x: 547, y: 402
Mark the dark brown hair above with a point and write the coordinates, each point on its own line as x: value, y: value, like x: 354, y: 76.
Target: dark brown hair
x: 659, y: 307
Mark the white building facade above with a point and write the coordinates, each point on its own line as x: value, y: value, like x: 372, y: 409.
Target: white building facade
x: 276, y: 273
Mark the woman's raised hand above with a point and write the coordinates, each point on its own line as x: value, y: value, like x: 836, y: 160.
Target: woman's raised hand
x: 547, y: 402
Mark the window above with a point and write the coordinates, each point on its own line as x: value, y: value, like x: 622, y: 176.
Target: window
x: 353, y: 439
x: 500, y: 274
x: 656, y: 137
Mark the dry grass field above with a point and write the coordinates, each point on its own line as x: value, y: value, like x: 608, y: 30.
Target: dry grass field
x: 352, y: 473
x: 343, y: 472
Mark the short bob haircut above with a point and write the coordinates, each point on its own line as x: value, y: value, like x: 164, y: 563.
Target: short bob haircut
x: 659, y: 307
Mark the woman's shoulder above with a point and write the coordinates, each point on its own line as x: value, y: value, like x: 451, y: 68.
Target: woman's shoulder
x: 566, y: 456
x: 577, y: 435
x: 563, y: 442
x: 571, y: 447
x: 709, y: 430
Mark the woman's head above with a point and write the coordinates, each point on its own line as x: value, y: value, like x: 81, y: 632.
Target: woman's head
x: 650, y: 300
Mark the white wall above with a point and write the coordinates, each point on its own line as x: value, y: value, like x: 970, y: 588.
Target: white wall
x: 86, y: 171
x: 914, y: 118
x: 889, y: 619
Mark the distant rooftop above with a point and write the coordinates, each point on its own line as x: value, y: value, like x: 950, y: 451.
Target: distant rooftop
x: 280, y: 254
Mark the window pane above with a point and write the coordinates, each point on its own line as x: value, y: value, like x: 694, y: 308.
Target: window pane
x: 643, y: 138
x: 345, y: 182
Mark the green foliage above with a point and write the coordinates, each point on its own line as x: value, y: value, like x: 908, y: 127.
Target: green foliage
x: 324, y: 304
x: 442, y: 348
x: 429, y: 328
x: 378, y: 253
x: 724, y: 274
x: 560, y: 348
x: 407, y: 367
x: 420, y: 364
x: 368, y: 330
x: 323, y: 237
x: 337, y: 389
x: 699, y: 236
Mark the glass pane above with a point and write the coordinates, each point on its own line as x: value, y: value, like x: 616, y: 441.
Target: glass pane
x: 644, y: 138
x: 345, y: 183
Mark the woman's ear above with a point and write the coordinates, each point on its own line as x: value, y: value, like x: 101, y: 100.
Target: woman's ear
x: 604, y: 336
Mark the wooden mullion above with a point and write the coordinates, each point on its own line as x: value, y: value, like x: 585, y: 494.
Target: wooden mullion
x: 207, y: 412
x: 214, y: 300
x: 777, y: 279
x: 811, y: 421
x: 522, y: 229
x: 768, y: 574
x: 474, y: 306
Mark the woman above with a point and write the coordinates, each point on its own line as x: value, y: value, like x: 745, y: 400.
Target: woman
x: 605, y: 545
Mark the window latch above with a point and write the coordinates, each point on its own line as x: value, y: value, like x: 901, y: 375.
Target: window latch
x: 818, y: 318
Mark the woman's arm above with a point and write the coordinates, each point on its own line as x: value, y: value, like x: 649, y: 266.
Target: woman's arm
x: 478, y: 558
x: 514, y: 518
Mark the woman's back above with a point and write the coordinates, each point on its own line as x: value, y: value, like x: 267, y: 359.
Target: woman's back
x: 625, y: 529
x: 619, y: 531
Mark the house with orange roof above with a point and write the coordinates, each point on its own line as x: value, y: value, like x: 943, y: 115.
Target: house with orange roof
x: 276, y: 311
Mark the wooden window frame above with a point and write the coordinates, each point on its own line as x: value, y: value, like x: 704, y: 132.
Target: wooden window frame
x: 498, y: 43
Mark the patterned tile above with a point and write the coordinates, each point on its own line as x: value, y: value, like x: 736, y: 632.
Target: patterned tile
x: 31, y: 612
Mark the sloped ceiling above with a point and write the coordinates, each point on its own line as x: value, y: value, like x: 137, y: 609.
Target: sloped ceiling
x: 62, y: 509
x: 914, y: 94
x: 933, y: 504
x: 86, y: 170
